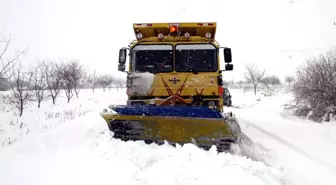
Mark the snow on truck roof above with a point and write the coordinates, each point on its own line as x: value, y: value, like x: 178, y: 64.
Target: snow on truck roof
x: 183, y: 31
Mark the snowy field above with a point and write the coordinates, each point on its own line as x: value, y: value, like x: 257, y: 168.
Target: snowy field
x: 70, y: 144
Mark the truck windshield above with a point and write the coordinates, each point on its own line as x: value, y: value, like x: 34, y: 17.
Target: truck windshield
x: 152, y: 58
x: 196, y: 58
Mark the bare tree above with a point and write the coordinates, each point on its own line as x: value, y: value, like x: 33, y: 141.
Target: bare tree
x: 289, y: 80
x: 240, y: 83
x: 73, y: 76
x: 20, y: 83
x: 92, y: 79
x: 253, y: 75
x: 105, y: 80
x: 39, y: 83
x: 52, y: 74
x: 315, y: 87
x: 270, y: 80
x: 79, y: 76
x: 267, y: 81
x: 7, y: 63
x: 67, y: 78
x: 275, y: 80
x: 120, y: 83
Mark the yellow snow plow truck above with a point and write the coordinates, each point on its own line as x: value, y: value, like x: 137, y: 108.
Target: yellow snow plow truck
x: 174, y: 87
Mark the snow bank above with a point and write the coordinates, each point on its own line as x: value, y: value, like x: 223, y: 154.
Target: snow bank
x: 304, y: 150
x: 36, y: 120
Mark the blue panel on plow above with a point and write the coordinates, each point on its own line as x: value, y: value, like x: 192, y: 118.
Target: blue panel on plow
x: 178, y: 111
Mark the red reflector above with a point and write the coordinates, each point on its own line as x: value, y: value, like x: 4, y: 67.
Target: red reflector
x: 200, y: 24
x: 210, y: 24
x: 149, y: 24
x: 220, y: 90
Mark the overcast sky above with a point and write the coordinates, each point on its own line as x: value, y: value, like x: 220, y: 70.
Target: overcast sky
x: 264, y: 32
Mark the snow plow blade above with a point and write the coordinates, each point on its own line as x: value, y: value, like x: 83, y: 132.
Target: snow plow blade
x: 201, y: 126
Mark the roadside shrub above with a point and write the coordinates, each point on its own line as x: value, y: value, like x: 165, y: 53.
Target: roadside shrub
x: 315, y: 88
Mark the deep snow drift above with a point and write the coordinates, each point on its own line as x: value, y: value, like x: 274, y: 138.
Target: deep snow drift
x: 81, y: 151
x: 304, y: 150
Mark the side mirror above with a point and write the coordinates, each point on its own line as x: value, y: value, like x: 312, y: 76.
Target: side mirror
x: 122, y: 55
x: 121, y: 67
x: 227, y: 55
x: 228, y: 67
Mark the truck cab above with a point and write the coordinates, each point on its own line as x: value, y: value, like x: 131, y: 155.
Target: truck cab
x: 183, y: 62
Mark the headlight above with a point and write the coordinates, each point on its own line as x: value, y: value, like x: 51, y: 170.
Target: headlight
x: 212, y: 103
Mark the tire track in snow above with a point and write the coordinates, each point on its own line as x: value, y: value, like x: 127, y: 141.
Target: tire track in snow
x: 290, y: 145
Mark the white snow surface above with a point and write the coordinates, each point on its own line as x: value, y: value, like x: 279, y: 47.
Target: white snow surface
x: 71, y: 144
x: 302, y: 149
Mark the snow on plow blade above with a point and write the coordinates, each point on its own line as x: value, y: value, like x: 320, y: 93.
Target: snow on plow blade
x: 199, y: 125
